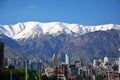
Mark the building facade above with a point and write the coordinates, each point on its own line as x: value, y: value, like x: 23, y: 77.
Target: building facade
x: 1, y: 54
x: 68, y: 59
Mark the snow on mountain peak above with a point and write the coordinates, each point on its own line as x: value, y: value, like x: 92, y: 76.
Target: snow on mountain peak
x: 28, y: 29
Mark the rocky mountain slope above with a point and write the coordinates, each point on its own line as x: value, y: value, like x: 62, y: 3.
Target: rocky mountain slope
x: 12, y: 49
x: 42, y: 40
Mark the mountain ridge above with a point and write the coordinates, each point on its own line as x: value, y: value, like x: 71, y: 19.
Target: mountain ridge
x: 29, y: 29
x: 89, y: 42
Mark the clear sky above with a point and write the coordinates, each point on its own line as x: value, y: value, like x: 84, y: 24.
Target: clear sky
x: 85, y: 12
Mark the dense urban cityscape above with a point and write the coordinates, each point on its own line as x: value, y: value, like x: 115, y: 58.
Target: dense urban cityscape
x: 32, y: 69
x: 59, y: 39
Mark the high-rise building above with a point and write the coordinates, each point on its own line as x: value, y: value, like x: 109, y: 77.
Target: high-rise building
x: 119, y: 64
x: 67, y: 59
x: 94, y: 63
x: 55, y: 60
x: 1, y: 54
x: 6, y: 62
x: 106, y: 60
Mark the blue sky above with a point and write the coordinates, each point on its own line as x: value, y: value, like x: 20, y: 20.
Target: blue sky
x: 85, y: 12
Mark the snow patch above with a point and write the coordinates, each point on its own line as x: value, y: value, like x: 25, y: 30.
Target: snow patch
x: 30, y: 29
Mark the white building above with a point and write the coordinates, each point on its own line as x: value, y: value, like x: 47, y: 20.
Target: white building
x: 97, y: 63
x: 67, y: 59
x: 106, y: 60
x: 119, y: 65
x: 94, y: 63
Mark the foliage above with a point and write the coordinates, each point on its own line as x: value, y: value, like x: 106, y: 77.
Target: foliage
x: 53, y: 77
x: 18, y: 73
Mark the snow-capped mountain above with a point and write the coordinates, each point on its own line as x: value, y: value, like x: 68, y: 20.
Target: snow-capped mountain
x: 42, y: 40
x: 29, y: 29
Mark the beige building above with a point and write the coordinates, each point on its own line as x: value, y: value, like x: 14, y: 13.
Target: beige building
x: 49, y: 71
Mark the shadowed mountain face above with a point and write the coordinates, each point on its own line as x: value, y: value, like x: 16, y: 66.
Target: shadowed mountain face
x: 12, y: 49
x: 87, y: 47
x: 94, y: 45
x: 9, y: 41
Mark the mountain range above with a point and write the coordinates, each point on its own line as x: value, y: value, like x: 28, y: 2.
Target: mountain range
x: 42, y: 40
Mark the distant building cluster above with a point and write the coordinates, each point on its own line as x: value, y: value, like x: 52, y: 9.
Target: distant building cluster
x: 99, y: 63
x: 65, y: 70
x: 103, y: 68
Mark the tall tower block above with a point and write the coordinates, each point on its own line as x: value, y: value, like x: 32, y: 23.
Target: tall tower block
x: 106, y: 60
x: 55, y: 60
x: 119, y: 65
x: 67, y: 59
x: 1, y: 54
